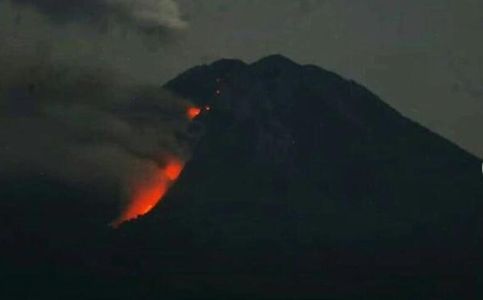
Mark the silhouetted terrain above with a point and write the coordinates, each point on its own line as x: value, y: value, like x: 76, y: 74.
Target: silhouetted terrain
x: 302, y: 185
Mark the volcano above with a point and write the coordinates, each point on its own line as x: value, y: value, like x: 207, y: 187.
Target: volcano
x: 303, y: 184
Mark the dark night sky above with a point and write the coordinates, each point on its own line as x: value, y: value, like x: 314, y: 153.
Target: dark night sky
x: 423, y: 57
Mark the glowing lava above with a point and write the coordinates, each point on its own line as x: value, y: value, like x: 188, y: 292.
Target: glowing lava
x: 147, y: 195
x: 173, y: 169
x: 193, y: 112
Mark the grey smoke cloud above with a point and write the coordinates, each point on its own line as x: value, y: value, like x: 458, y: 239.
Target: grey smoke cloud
x: 144, y: 14
x: 85, y: 125
x: 72, y: 110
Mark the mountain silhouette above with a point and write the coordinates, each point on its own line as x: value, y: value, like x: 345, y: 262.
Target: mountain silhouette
x: 300, y: 171
x: 302, y: 184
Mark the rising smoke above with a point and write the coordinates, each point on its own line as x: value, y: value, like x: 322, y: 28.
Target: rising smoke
x: 71, y: 106
x: 143, y: 14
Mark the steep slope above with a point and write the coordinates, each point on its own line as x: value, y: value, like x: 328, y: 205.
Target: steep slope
x: 300, y: 171
x: 302, y: 184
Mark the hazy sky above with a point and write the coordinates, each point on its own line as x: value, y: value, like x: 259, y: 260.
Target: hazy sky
x: 425, y: 58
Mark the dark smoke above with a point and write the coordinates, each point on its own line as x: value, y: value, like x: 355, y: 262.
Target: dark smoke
x: 66, y: 109
x: 144, y: 14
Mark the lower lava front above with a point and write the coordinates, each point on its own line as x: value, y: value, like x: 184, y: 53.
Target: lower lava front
x: 148, y: 194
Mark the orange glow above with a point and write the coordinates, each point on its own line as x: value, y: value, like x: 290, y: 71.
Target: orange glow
x: 173, y: 169
x: 147, y: 194
x: 193, y: 112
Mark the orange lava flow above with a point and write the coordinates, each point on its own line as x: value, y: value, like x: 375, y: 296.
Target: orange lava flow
x: 147, y: 195
x: 193, y: 112
x: 173, y: 169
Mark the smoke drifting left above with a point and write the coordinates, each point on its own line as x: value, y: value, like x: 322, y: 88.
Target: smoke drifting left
x: 81, y: 121
x: 143, y: 14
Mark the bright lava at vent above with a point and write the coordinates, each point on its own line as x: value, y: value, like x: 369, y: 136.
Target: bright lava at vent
x: 193, y: 112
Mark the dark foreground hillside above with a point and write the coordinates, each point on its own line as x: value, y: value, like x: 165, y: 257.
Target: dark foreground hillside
x: 302, y: 185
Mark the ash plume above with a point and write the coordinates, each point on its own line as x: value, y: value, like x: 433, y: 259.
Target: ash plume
x: 79, y: 114
x: 143, y: 14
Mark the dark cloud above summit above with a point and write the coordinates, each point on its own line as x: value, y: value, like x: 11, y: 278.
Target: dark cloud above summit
x: 143, y: 14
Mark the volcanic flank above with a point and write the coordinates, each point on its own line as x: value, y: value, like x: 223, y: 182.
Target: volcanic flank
x: 301, y: 171
x: 302, y: 184
x: 147, y: 193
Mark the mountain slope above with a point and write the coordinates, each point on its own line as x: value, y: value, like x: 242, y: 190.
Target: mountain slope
x: 300, y: 171
x: 302, y: 184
